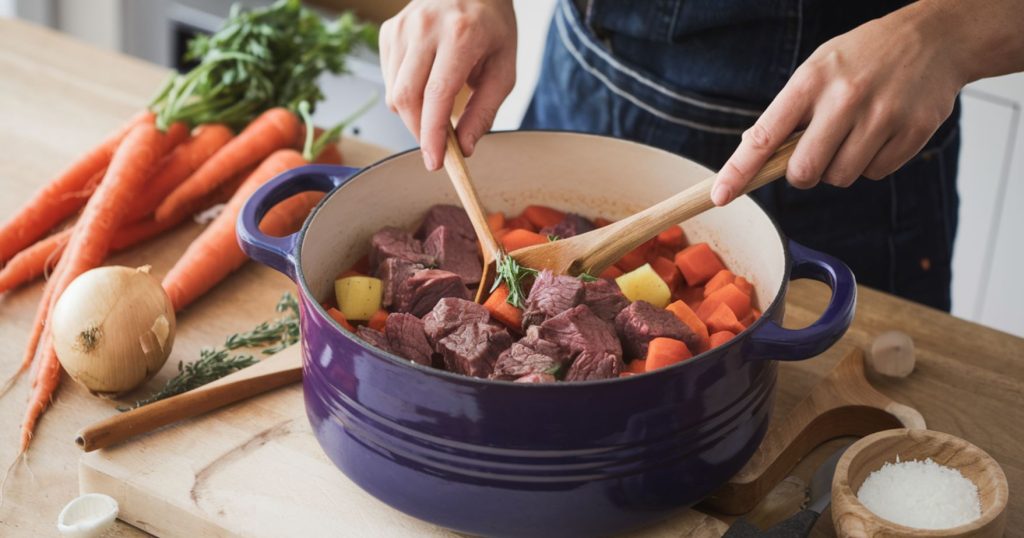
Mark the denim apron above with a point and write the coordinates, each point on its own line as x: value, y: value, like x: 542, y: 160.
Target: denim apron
x: 689, y: 76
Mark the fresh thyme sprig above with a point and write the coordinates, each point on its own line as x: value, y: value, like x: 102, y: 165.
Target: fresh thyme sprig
x: 587, y: 277
x: 509, y: 272
x: 213, y: 364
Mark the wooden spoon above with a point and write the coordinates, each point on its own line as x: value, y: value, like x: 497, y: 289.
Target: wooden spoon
x: 455, y: 165
x: 594, y: 251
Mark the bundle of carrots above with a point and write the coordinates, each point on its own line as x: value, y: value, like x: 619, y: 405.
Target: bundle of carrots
x: 257, y: 76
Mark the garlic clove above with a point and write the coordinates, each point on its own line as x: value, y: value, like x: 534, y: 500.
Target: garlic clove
x: 87, y: 516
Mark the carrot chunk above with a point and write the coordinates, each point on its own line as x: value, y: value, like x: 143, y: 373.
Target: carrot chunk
x: 637, y: 366
x: 508, y: 315
x: 693, y: 296
x: 745, y: 286
x: 634, y: 258
x: 378, y: 319
x: 672, y: 238
x: 611, y: 273
x: 340, y: 318
x: 723, y: 319
x: 698, y: 263
x: 753, y: 316
x: 662, y: 352
x: 519, y: 238
x: 667, y: 271
x: 689, y: 318
x: 601, y: 222
x: 735, y: 299
x: 347, y: 273
x: 542, y: 216
x: 720, y: 279
x: 520, y: 223
x: 496, y: 221
x: 721, y: 337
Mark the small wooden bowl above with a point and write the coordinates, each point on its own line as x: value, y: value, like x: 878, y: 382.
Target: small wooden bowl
x: 852, y: 519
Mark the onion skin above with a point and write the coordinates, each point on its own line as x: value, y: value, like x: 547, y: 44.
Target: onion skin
x: 113, y: 329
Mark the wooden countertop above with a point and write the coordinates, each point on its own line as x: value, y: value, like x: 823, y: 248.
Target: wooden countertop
x: 60, y: 97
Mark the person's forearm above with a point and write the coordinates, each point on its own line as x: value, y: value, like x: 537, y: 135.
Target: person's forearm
x: 987, y: 36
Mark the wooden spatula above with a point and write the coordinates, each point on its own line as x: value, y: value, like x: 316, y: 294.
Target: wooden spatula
x: 455, y: 165
x: 594, y: 251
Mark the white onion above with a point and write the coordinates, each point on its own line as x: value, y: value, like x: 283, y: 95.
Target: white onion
x: 113, y: 328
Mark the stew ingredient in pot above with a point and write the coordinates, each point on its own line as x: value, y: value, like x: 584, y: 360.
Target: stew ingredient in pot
x: 661, y: 304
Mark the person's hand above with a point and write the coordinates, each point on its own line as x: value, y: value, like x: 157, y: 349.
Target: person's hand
x: 430, y: 50
x: 870, y: 99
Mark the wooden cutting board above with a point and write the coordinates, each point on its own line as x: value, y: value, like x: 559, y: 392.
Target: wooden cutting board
x: 255, y: 469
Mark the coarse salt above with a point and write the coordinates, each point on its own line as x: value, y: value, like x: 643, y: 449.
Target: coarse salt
x: 921, y: 494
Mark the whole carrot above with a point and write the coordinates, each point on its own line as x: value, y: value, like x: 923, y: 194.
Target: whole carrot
x: 215, y: 253
x: 62, y: 196
x: 131, y: 165
x: 274, y: 129
x: 178, y: 166
x: 34, y: 261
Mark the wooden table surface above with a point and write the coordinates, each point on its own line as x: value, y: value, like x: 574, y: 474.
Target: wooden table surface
x: 59, y: 97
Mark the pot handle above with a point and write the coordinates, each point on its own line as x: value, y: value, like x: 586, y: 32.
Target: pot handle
x: 772, y: 341
x: 280, y: 252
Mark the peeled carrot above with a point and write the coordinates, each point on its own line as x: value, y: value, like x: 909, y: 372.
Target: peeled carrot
x: 542, y: 216
x: 611, y: 273
x: 698, y: 263
x: 378, y: 320
x: 496, y: 221
x: 62, y: 196
x: 637, y: 366
x: 684, y: 313
x: 723, y: 319
x: 693, y: 296
x: 668, y: 271
x: 720, y: 279
x: 753, y: 316
x: 275, y: 129
x: 497, y: 305
x: 178, y: 166
x: 215, y: 253
x: 517, y: 239
x: 745, y: 286
x: 601, y: 222
x: 662, y: 352
x: 132, y: 163
x: 721, y: 337
x: 672, y: 238
x: 633, y: 259
x: 341, y: 319
x: 34, y: 261
x: 731, y: 296
x: 519, y: 223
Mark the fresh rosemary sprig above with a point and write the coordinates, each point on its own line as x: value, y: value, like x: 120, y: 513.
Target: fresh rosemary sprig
x: 213, y: 364
x: 509, y: 272
x: 587, y: 277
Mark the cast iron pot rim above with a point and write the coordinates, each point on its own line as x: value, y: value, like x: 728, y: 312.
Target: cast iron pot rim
x: 452, y: 376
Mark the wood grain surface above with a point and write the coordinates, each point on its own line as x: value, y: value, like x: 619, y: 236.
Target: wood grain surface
x: 58, y: 97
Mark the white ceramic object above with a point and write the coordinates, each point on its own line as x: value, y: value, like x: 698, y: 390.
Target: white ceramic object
x: 87, y: 516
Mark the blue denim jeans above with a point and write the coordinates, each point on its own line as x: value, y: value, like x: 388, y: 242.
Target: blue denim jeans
x: 689, y: 76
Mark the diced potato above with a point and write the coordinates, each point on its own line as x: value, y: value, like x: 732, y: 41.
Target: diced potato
x: 644, y: 284
x: 359, y: 297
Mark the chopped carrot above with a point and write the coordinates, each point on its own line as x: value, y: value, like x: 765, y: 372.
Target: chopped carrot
x: 720, y: 279
x: 753, y: 316
x: 662, y: 352
x: 347, y: 273
x: 496, y: 221
x: 497, y: 304
x: 340, y: 318
x: 721, y: 337
x: 634, y: 258
x: 601, y: 222
x: 693, y: 296
x: 684, y: 313
x: 637, y: 366
x: 517, y: 239
x: 736, y: 300
x: 611, y: 273
x: 668, y: 271
x: 723, y: 319
x: 274, y: 129
x: 745, y: 286
x: 698, y: 263
x: 672, y: 238
x: 378, y: 320
x: 542, y: 216
x: 520, y: 223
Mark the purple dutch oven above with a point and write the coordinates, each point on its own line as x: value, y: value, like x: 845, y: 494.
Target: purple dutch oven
x: 499, y: 458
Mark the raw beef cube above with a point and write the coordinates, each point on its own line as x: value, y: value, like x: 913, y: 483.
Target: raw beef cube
x: 393, y: 272
x: 536, y: 378
x: 373, y: 337
x: 604, y: 298
x: 406, y: 338
x: 571, y: 225
x: 451, y: 313
x: 473, y: 349
x: 450, y: 216
x: 588, y: 341
x: 391, y: 242
x: 551, y: 295
x: 419, y: 293
x: 641, y: 322
x: 455, y: 253
x: 530, y: 355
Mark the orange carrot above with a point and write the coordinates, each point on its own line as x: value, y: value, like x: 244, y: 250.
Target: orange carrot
x: 698, y: 263
x: 275, y: 129
x: 693, y: 296
x: 519, y: 238
x: 215, y: 253
x: 637, y: 366
x: 131, y: 164
x: 611, y: 273
x: 720, y: 279
x: 662, y: 352
x: 497, y: 305
x: 745, y: 286
x: 721, y: 337
x: 672, y: 238
x: 731, y: 296
x: 684, y: 313
x: 753, y: 316
x: 496, y: 221
x: 601, y: 222
x: 632, y: 259
x: 62, y: 196
x: 178, y: 166
x: 668, y: 271
x: 341, y: 319
x: 541, y: 216
x: 723, y: 319
x: 378, y: 320
x: 34, y: 261
x: 347, y: 273
x: 520, y: 223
